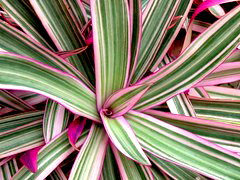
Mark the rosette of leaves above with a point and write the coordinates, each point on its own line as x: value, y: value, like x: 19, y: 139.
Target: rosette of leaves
x: 95, y: 90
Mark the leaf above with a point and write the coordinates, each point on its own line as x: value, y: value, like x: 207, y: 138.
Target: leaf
x: 225, y: 73
x: 155, y: 21
x: 57, y: 174
x: 165, y: 141
x: 20, y: 139
x: 218, y: 92
x: 65, y: 33
x: 13, y: 40
x: 26, y: 18
x: 176, y: 172
x: 207, y: 52
x: 111, y: 44
x: 55, y: 120
x: 235, y: 56
x: 8, y: 169
x: 128, y: 168
x: 66, y: 54
x: 89, y: 162
x: 75, y: 130
x: 110, y: 169
x: 33, y: 76
x: 29, y: 159
x: 123, y: 100
x: 204, y: 5
x: 123, y: 137
x: 226, y: 111
x: 135, y: 15
x: 217, y: 132
x: 20, y: 119
x: 50, y: 156
x: 182, y: 11
x: 10, y: 100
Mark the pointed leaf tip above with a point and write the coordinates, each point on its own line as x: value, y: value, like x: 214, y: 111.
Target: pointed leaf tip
x: 29, y: 159
x: 75, y: 130
x: 124, y: 100
x: 123, y: 137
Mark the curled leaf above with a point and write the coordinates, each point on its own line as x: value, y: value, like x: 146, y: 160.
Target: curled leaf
x: 29, y: 159
x: 75, y: 130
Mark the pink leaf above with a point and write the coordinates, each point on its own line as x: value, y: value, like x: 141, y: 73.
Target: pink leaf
x: 75, y: 130
x: 29, y: 159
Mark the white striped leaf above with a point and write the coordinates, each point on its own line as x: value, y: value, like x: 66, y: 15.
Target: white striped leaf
x: 55, y: 120
x: 226, y: 111
x: 165, y: 141
x: 20, y: 139
x: 182, y: 11
x: 123, y: 100
x: 128, y: 169
x: 225, y: 73
x: 64, y: 32
x: 57, y: 174
x: 235, y: 56
x: 208, y: 51
x: 218, y: 92
x: 180, y: 103
x: 174, y: 171
x: 33, y: 76
x: 22, y: 13
x: 10, y: 100
x: 123, y: 137
x: 217, y: 132
x: 16, y: 120
x: 8, y: 169
x: 156, y: 19
x: 89, y: 162
x: 50, y: 156
x: 110, y: 170
x: 111, y: 44
x: 13, y: 40
x: 77, y: 12
x: 135, y: 16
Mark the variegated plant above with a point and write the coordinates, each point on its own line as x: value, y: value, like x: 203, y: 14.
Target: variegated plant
x: 122, y: 98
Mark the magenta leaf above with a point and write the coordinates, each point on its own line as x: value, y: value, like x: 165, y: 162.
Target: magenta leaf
x: 75, y: 130
x: 29, y: 159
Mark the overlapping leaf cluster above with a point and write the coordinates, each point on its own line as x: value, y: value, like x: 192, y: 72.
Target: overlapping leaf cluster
x: 101, y: 89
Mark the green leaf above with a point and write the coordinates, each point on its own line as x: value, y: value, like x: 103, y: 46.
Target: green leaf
x: 123, y: 100
x: 26, y: 18
x: 226, y: 111
x: 21, y: 139
x: 16, y: 120
x: 110, y: 170
x: 123, y: 137
x: 182, y: 11
x: 55, y: 120
x: 208, y: 51
x: 65, y: 33
x: 135, y: 15
x: 218, y: 92
x: 111, y: 43
x: 184, y: 148
x: 36, y: 77
x: 10, y: 100
x: 176, y: 172
x: 8, y: 169
x: 57, y: 174
x: 13, y: 40
x: 156, y: 18
x: 50, y: 156
x: 128, y: 168
x: 88, y: 164
x: 217, y: 132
